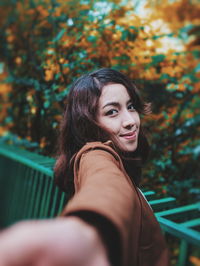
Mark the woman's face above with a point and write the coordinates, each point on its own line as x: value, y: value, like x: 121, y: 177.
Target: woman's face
x: 116, y: 113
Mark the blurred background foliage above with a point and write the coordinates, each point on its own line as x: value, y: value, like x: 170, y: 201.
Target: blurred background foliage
x: 46, y: 44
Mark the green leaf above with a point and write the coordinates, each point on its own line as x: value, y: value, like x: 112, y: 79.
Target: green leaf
x: 92, y: 38
x: 158, y: 58
x: 46, y: 104
x: 59, y: 35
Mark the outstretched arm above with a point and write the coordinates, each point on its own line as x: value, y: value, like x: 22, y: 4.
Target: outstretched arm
x: 59, y: 242
x: 106, y: 198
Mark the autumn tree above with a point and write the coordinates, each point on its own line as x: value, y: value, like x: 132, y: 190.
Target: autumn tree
x: 46, y: 44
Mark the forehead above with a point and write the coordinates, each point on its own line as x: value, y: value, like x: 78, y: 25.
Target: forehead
x: 114, y: 93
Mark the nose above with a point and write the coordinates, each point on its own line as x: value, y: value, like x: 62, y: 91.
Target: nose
x: 128, y: 120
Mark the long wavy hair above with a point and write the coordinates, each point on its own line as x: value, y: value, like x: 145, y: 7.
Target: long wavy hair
x: 79, y: 124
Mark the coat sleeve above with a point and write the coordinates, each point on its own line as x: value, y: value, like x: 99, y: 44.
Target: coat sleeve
x: 105, y: 197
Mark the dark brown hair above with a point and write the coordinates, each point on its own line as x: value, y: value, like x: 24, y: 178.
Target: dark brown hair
x: 79, y: 124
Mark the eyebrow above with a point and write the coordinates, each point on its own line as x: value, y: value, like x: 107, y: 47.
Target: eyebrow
x: 115, y: 104
x: 111, y: 103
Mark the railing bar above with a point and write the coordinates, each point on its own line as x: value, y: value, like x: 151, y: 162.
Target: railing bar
x: 148, y: 193
x: 163, y: 200
x: 183, y: 254
x: 16, y: 197
x: 61, y: 203
x: 8, y: 211
x: 26, y: 161
x: 55, y: 197
x: 48, y: 199
x: 179, y: 231
x: 179, y: 209
x: 29, y: 179
x: 42, y: 185
x: 23, y: 190
x: 191, y: 223
x: 33, y: 196
x: 44, y: 197
x: 26, y: 153
x: 38, y: 194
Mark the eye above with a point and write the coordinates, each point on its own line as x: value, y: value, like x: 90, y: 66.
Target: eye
x: 131, y: 107
x: 111, y: 112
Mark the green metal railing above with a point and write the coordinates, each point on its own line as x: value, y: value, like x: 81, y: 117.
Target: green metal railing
x: 27, y: 191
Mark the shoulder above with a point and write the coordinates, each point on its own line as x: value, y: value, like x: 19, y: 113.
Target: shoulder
x: 99, y: 161
x: 97, y: 154
x: 97, y: 148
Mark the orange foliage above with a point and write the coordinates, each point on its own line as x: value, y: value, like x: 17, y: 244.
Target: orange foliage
x: 4, y: 89
x: 5, y: 104
x: 195, y: 261
x: 181, y: 12
x: 120, y: 39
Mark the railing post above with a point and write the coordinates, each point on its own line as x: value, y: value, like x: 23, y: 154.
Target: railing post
x: 183, y: 253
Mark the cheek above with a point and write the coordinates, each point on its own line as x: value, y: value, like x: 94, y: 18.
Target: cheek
x: 109, y: 124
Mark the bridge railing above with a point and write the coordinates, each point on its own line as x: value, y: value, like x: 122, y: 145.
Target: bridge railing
x: 27, y: 191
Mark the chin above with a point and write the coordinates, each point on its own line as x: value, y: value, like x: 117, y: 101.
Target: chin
x: 129, y: 147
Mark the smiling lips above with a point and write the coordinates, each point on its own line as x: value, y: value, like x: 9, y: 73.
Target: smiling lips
x: 129, y: 135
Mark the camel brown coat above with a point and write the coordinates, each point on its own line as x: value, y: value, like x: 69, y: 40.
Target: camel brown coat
x: 102, y: 187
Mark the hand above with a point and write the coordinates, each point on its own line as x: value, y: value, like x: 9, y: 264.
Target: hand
x: 59, y: 242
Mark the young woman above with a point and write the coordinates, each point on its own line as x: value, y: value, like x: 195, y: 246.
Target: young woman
x: 102, y: 149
